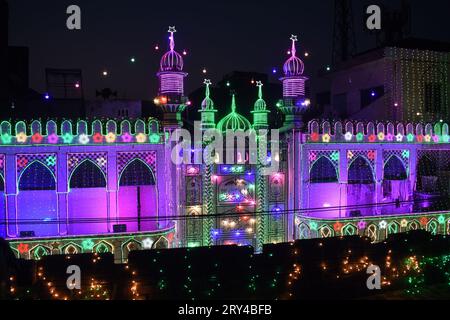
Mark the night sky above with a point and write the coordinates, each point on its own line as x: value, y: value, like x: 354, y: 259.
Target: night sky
x: 222, y: 36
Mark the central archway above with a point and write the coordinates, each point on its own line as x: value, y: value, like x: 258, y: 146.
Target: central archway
x: 361, y: 187
x: 88, y: 212
x: 137, y: 197
x: 37, y: 208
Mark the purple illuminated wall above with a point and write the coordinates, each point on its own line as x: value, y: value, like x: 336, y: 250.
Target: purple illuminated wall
x: 88, y: 205
x: 129, y: 197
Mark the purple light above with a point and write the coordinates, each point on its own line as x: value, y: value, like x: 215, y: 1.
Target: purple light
x: 373, y: 94
x: 274, y: 70
x: 46, y: 96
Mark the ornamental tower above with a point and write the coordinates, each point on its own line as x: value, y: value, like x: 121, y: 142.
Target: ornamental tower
x: 208, y: 122
x: 171, y: 85
x: 207, y: 109
x: 294, y: 101
x: 261, y: 125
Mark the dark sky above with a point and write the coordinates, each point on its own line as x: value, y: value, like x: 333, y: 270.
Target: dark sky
x: 221, y: 35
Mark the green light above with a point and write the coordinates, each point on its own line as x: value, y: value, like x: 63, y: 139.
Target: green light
x: 410, y: 137
x: 359, y: 136
x: 6, y: 138
x: 441, y: 219
x: 154, y: 138
x: 87, y: 244
x: 67, y: 138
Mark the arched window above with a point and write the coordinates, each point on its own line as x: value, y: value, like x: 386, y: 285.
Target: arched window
x: 323, y: 170
x: 360, y: 172
x: 137, y: 174
x: 37, y: 201
x: 394, y: 169
x: 87, y: 175
x: 88, y: 213
x: 137, y: 197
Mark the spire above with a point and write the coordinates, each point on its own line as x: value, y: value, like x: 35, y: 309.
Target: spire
x: 207, y: 83
x: 207, y: 103
x: 172, y: 30
x: 233, y: 103
x: 260, y: 104
x: 259, y: 85
x: 294, y: 40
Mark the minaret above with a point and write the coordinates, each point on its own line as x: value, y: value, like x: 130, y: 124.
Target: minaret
x: 207, y: 109
x: 171, y: 85
x: 294, y: 101
x: 172, y: 101
x: 261, y: 125
x: 260, y: 112
x: 208, y: 122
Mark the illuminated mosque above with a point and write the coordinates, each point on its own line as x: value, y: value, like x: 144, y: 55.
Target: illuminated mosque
x: 74, y: 187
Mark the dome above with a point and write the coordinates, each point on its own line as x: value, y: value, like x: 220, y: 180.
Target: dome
x: 294, y: 65
x: 260, y: 105
x: 207, y: 103
x: 171, y: 60
x: 234, y: 121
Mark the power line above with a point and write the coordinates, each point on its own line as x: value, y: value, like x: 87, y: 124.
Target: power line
x: 283, y: 212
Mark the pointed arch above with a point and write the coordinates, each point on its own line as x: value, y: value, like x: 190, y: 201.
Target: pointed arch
x: 71, y: 248
x: 103, y: 247
x: 349, y: 230
x: 393, y: 227
x: 304, y: 231
x: 360, y: 171
x: 37, y: 205
x: 161, y: 243
x: 326, y: 231
x: 323, y: 170
x: 137, y: 196
x: 433, y: 226
x: 87, y: 200
x: 394, y: 169
x: 87, y: 174
x: 135, y: 173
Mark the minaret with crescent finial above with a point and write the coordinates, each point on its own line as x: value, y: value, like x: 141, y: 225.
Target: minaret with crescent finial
x: 171, y: 85
x: 294, y: 100
x: 207, y: 108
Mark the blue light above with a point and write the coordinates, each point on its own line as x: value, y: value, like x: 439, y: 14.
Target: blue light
x: 274, y: 70
x: 373, y: 93
x: 47, y: 96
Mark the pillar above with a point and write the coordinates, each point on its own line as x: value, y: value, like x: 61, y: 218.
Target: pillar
x: 111, y: 190
x: 11, y: 196
x: 62, y: 193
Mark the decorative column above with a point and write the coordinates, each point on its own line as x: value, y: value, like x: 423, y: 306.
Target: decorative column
x: 111, y: 190
x: 343, y: 181
x: 11, y: 196
x: 261, y: 126
x: 62, y: 192
x: 379, y: 164
x: 207, y: 123
x: 172, y: 101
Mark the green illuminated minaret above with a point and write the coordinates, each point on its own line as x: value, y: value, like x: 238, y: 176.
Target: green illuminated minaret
x: 208, y: 122
x: 260, y: 125
x: 260, y: 112
x: 207, y: 109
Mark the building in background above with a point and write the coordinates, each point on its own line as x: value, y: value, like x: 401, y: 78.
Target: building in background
x: 405, y: 82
